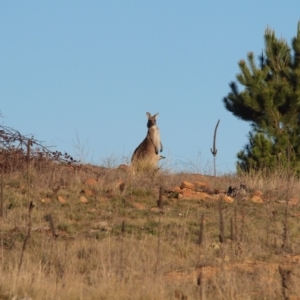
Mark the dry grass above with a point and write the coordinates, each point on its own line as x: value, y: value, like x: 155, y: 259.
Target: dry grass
x: 108, y: 248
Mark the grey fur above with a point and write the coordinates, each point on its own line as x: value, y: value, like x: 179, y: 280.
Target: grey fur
x: 150, y: 147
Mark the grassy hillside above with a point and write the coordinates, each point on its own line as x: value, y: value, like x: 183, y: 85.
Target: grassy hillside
x: 100, y: 233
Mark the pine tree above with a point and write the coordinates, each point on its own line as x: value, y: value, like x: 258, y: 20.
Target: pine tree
x: 270, y: 101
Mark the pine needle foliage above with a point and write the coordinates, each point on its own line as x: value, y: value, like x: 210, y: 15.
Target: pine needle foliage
x: 270, y: 101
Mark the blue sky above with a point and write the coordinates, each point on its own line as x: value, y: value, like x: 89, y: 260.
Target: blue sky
x: 81, y: 75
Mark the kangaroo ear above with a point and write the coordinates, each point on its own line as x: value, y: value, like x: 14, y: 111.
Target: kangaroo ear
x: 156, y: 115
x: 148, y: 115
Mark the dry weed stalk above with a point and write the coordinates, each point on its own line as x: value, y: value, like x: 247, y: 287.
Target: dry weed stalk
x: 2, y: 213
x: 271, y: 234
x: 235, y: 223
x: 55, y: 260
x: 49, y: 219
x: 269, y: 219
x: 26, y: 237
x: 201, y: 283
x: 179, y: 295
x: 285, y: 275
x: 222, y: 227
x: 232, y: 233
x: 214, y: 149
x: 274, y: 214
x: 201, y: 232
x: 242, y: 226
x: 285, y: 235
x: 160, y: 207
x: 1, y: 193
x: 159, y: 201
x: 122, y: 250
x: 60, y: 268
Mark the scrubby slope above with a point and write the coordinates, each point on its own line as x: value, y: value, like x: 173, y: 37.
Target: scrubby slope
x: 97, y: 233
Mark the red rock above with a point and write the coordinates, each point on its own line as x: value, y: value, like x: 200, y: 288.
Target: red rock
x: 187, y: 185
x: 257, y: 193
x: 88, y: 192
x: 46, y: 200
x: 256, y: 199
x: 293, y: 201
x: 226, y: 198
x: 193, y: 195
x: 155, y: 209
x: 83, y: 199
x: 139, y: 206
x: 186, y: 192
x: 91, y: 182
x: 176, y: 189
x: 61, y: 199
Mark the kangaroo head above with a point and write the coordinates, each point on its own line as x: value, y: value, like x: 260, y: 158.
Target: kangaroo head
x: 151, y: 120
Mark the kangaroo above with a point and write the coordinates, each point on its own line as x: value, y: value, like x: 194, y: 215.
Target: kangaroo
x: 150, y: 147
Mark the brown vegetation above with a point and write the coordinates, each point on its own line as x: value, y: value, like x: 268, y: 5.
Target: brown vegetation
x: 103, y: 233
